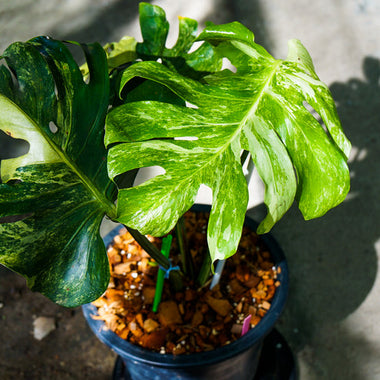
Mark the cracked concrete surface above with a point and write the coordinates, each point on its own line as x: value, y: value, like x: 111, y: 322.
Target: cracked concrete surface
x: 331, y: 320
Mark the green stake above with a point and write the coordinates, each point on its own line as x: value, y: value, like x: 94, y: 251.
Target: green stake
x: 165, y: 248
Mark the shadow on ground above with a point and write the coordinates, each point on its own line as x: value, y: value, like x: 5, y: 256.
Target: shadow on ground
x: 70, y: 352
x: 105, y: 24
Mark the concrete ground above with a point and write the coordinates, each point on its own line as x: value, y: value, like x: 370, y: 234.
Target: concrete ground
x: 331, y: 320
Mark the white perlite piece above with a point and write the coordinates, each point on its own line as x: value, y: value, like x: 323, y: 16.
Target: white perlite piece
x: 42, y: 327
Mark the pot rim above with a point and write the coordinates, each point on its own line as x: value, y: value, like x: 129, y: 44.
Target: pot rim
x: 252, y: 337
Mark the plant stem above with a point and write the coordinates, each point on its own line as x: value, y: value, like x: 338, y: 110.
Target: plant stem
x: 151, y: 249
x: 205, y: 270
x: 175, y: 276
x: 187, y: 262
x: 166, y: 242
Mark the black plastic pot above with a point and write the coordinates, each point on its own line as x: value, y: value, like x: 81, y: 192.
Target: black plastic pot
x: 238, y: 360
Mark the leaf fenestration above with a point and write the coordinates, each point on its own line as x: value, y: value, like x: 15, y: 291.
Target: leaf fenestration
x: 259, y: 108
x: 61, y: 185
x: 155, y: 29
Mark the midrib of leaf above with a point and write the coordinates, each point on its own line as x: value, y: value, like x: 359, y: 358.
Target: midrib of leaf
x: 74, y: 209
x: 107, y: 205
x: 251, y: 112
x: 73, y: 236
x: 253, y: 109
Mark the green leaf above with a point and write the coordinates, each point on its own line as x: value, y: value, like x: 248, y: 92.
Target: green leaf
x: 59, y: 191
x: 149, y: 90
x: 259, y: 108
x: 155, y: 29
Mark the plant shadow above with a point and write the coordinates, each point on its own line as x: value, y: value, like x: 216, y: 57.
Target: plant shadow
x: 104, y: 26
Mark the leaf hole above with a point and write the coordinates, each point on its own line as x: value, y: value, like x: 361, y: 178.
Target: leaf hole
x: 204, y: 195
x: 11, y: 147
x: 315, y: 114
x: 14, y: 218
x: 11, y: 72
x: 190, y: 105
x: 312, y: 111
x: 56, y: 92
x: 79, y: 56
x: 14, y: 182
x: 227, y: 65
x: 247, y: 166
x: 76, y: 51
x: 195, y: 46
x: 86, y: 78
x: 172, y: 36
x: 186, y: 138
x: 147, y: 173
x: 53, y: 127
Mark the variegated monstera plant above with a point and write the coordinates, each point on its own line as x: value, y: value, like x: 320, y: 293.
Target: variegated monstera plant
x: 134, y: 105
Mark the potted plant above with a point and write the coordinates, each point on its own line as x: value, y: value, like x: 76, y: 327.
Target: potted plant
x: 135, y: 105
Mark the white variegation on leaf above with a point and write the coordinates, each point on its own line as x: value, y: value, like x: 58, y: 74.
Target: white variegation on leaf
x: 259, y: 108
x: 17, y: 124
x: 54, y: 197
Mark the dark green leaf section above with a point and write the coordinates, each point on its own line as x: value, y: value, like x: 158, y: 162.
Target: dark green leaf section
x: 60, y: 253
x: 149, y: 90
x: 118, y: 54
x: 260, y: 108
x: 59, y: 191
x: 49, y: 87
x: 81, y: 108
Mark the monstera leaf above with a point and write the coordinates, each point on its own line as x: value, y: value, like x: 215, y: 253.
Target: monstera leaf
x: 56, y: 194
x: 155, y: 29
x: 260, y: 108
x: 195, y: 64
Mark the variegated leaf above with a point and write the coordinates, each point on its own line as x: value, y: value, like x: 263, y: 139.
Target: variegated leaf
x: 260, y: 108
x: 155, y: 29
x: 53, y: 198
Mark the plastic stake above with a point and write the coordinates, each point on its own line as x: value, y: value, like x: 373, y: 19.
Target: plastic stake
x: 246, y: 324
x: 218, y: 273
x: 165, y: 248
